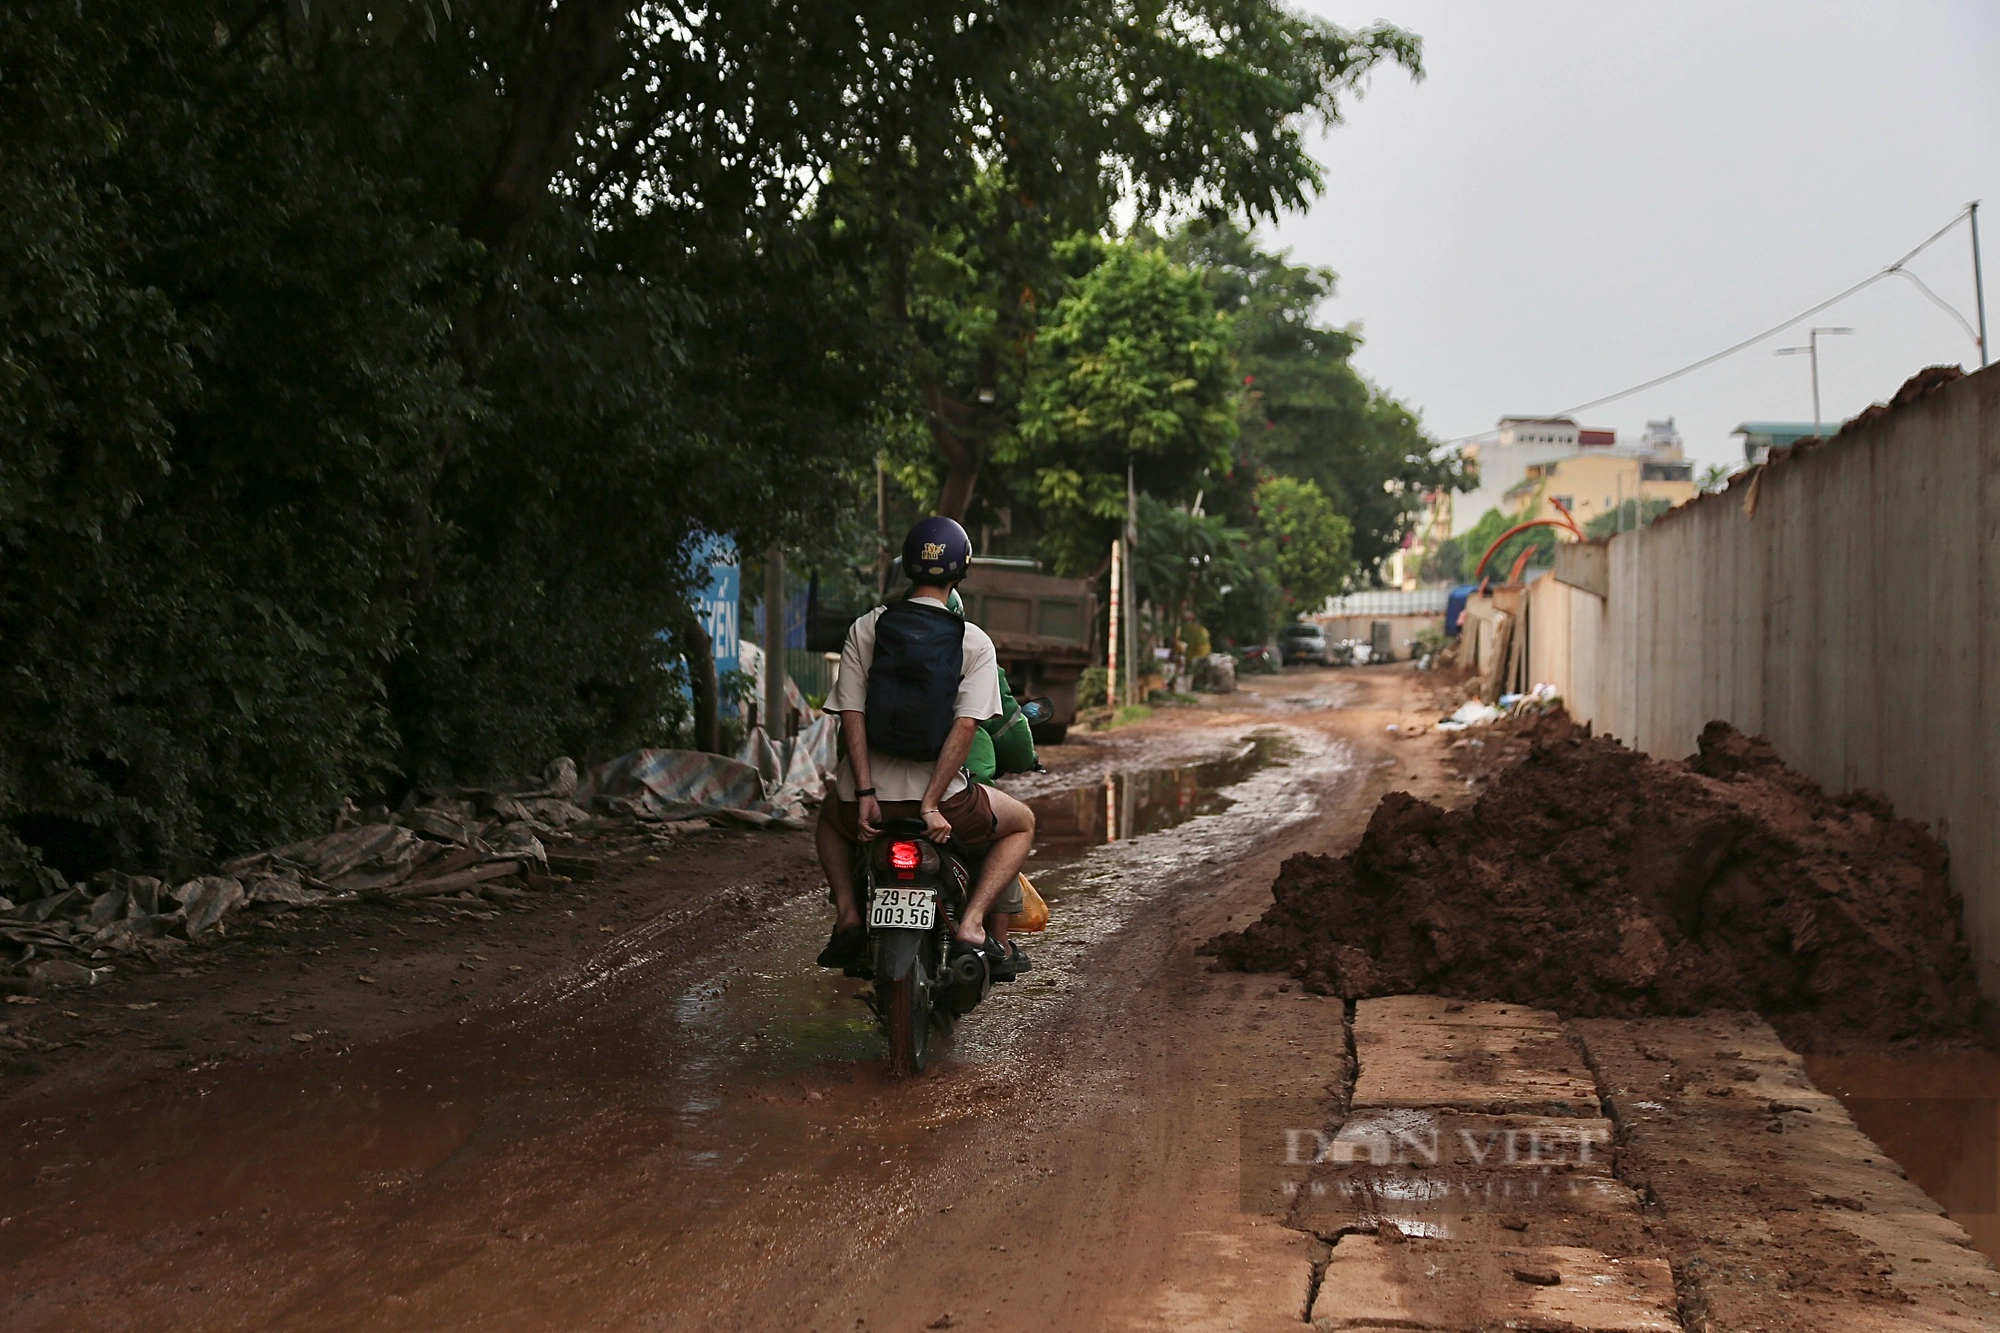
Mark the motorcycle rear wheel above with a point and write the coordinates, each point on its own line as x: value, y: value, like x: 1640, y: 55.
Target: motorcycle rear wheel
x: 905, y: 1006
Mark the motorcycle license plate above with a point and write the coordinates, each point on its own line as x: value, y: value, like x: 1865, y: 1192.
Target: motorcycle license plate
x: 902, y: 909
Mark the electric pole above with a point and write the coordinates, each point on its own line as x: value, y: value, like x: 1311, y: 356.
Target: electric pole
x: 1131, y: 604
x: 1978, y: 282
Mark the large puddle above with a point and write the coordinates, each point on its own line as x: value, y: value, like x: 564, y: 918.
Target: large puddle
x: 786, y: 1015
x: 1128, y: 804
x: 667, y: 1100
x: 1938, y: 1117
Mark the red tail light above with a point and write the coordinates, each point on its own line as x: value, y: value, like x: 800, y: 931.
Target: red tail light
x: 905, y: 855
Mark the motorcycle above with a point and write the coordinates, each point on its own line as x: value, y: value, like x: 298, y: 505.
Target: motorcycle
x: 1259, y: 659
x: 913, y: 893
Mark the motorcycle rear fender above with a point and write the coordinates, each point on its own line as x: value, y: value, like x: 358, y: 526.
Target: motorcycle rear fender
x: 896, y: 952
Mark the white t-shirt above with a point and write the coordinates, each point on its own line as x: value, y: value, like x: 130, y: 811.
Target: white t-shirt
x: 898, y: 779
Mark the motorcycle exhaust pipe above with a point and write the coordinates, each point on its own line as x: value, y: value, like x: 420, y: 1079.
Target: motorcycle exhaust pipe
x: 965, y: 983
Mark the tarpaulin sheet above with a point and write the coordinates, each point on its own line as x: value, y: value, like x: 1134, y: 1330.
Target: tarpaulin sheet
x: 809, y: 767
x: 681, y: 784
x: 764, y: 784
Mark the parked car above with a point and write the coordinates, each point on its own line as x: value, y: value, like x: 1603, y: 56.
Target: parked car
x: 1304, y: 642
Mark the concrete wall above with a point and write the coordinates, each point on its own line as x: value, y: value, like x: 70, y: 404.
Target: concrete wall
x: 1402, y: 629
x: 1853, y: 618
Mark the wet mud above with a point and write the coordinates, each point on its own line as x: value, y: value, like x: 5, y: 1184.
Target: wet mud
x: 691, y: 1127
x: 641, y: 1105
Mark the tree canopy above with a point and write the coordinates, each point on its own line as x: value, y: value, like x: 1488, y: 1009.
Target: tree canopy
x: 371, y: 371
x: 1303, y: 541
x: 1131, y: 366
x: 1476, y: 539
x: 1306, y: 412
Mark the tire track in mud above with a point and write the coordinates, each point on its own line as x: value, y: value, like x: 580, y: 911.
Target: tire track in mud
x: 1104, y: 891
x: 1092, y: 896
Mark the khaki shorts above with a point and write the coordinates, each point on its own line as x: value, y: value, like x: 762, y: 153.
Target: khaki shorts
x: 969, y: 812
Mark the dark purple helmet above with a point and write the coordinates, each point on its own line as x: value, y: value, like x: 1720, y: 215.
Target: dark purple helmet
x: 936, y: 552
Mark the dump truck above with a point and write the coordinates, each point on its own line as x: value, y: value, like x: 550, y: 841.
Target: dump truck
x: 1044, y: 630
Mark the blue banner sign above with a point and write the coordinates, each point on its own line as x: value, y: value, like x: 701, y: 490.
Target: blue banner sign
x: 719, y: 603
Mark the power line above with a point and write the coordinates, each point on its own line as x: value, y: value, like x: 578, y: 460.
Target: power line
x: 1731, y: 350
x: 1752, y: 341
x: 1942, y: 304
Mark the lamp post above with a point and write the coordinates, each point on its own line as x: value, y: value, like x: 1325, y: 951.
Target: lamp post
x: 1811, y: 350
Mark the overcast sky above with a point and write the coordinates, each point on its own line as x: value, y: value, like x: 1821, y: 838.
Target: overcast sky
x: 1583, y: 194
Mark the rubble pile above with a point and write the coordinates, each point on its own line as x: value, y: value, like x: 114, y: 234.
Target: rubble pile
x: 476, y: 843
x: 1593, y: 880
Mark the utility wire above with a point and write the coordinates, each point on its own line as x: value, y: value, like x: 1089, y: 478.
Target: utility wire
x: 1731, y: 350
x: 1942, y: 304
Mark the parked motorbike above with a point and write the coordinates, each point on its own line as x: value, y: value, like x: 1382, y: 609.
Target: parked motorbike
x: 1259, y: 659
x: 913, y: 892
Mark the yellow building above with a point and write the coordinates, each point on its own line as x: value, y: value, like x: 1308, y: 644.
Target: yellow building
x: 1597, y: 482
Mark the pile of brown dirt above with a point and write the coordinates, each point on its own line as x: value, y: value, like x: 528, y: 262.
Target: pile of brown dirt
x: 1595, y: 881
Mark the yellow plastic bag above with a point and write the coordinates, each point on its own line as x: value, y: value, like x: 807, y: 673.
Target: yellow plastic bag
x: 1034, y: 913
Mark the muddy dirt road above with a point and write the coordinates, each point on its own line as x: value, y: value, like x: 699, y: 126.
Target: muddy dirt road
x: 691, y: 1129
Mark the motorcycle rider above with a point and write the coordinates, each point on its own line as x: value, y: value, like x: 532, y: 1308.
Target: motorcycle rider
x: 873, y: 784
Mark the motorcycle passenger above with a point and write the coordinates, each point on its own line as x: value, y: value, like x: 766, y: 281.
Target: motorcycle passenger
x: 907, y: 730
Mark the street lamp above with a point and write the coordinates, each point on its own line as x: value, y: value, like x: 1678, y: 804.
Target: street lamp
x: 1811, y: 349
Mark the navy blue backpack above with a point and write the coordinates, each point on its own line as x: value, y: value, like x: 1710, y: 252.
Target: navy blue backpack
x: 913, y: 681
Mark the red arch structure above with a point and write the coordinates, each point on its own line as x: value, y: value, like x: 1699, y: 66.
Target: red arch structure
x: 1566, y: 523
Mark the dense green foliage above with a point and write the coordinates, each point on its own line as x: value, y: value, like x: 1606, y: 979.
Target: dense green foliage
x: 1481, y: 535
x: 367, y: 372
x: 325, y: 471
x: 1306, y: 412
x: 1627, y: 516
x: 1185, y: 561
x: 1057, y: 114
x: 1302, y: 541
x: 1131, y: 366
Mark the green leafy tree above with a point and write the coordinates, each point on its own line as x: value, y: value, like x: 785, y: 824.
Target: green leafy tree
x: 1306, y: 412
x: 1628, y: 516
x: 1184, y: 562
x: 1307, y: 546
x: 1131, y: 366
x: 366, y: 378
x: 1475, y: 541
x: 1041, y: 120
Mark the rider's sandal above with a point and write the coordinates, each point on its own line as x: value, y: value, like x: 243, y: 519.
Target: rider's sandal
x: 845, y: 948
x: 1013, y: 965
x: 988, y: 948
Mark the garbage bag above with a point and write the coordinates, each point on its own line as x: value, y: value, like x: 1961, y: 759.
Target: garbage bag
x: 1034, y: 913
